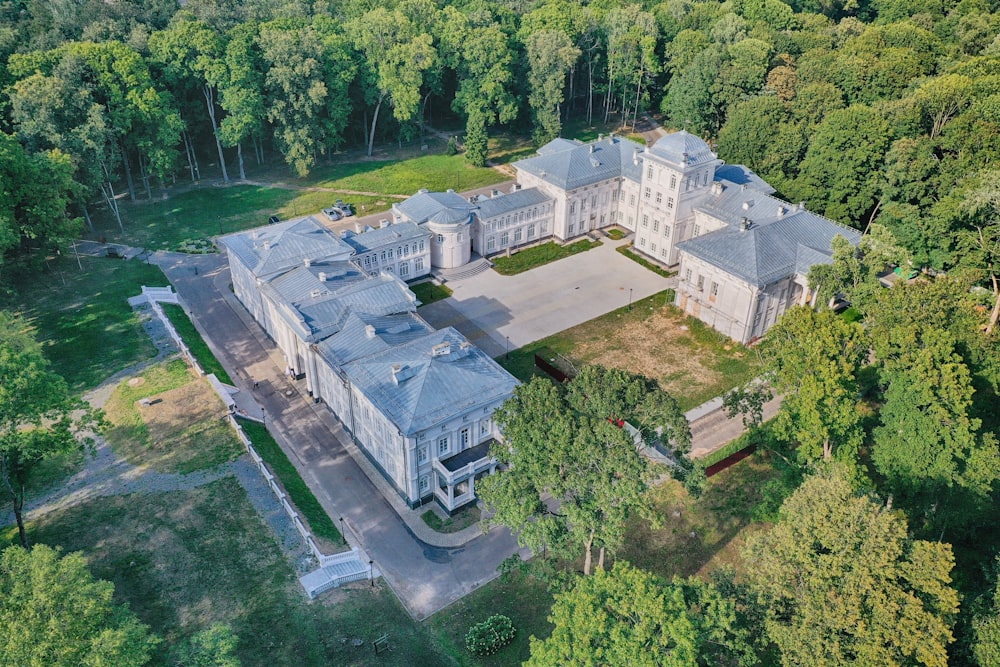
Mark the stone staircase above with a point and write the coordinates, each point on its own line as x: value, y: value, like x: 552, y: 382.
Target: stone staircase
x: 473, y: 268
x: 334, y: 571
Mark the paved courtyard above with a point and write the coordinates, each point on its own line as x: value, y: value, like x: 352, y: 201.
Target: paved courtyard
x: 495, y: 311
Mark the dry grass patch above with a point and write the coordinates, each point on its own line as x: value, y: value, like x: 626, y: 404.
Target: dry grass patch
x: 171, y: 420
x: 690, y: 360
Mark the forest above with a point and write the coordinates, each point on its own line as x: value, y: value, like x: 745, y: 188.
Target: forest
x: 880, y: 114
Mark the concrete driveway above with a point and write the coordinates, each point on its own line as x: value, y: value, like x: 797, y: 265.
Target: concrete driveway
x: 495, y: 311
x: 426, y: 578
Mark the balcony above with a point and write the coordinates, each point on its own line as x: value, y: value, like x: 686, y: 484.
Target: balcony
x: 456, y: 476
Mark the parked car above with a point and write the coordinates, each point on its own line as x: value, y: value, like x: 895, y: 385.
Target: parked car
x: 273, y: 219
x: 345, y: 209
x: 333, y: 213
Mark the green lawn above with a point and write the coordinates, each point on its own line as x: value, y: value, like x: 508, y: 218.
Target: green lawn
x: 405, y: 177
x: 209, y: 211
x: 185, y: 329
x: 182, y: 431
x: 627, y: 251
x: 469, y: 516
x: 83, y: 319
x: 689, y: 359
x: 302, y: 497
x: 185, y: 560
x: 530, y: 258
x: 429, y: 292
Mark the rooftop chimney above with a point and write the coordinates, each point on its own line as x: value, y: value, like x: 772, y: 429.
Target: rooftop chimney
x: 322, y: 277
x: 635, y: 156
x: 684, y: 158
x: 369, y: 331
x: 747, y: 204
x: 781, y: 211
x: 591, y: 148
x: 307, y: 262
x: 716, y: 188
x: 402, y: 372
x: 441, y: 349
x: 745, y: 224
x: 802, y: 206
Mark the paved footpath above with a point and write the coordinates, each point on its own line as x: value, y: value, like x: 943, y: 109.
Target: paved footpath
x: 425, y: 576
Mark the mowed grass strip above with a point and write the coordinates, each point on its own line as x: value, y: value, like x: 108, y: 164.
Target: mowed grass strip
x: 627, y: 251
x: 530, y: 258
x: 186, y: 330
x: 405, y: 177
x: 185, y: 560
x: 82, y: 317
x: 302, y: 497
x: 182, y: 429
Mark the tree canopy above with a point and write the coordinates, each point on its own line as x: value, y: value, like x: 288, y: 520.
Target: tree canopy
x: 53, y: 613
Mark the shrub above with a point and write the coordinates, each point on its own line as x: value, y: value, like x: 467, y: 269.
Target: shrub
x: 490, y: 636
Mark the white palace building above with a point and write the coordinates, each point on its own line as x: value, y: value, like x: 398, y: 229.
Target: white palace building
x: 420, y: 402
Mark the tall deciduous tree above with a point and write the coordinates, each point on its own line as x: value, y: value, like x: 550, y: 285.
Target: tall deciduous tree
x: 843, y: 584
x: 39, y: 418
x: 980, y: 241
x: 622, y: 617
x: 812, y: 358
x: 396, y: 56
x: 53, y: 613
x: 589, y: 466
x: 551, y: 55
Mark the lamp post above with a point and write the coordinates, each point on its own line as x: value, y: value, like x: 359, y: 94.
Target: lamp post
x: 343, y: 535
x: 630, y: 298
x: 371, y: 572
x: 507, y: 353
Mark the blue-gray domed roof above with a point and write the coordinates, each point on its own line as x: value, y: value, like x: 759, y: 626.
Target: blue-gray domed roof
x: 683, y: 148
x: 451, y: 216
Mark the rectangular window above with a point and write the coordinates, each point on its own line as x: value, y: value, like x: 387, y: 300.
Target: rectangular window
x: 504, y: 239
x: 652, y: 247
x: 663, y: 252
x: 440, y: 238
x: 425, y: 483
x: 687, y: 275
x: 383, y: 256
x: 517, y: 235
x: 673, y: 181
x: 642, y: 242
x: 701, y: 283
x: 484, y: 427
x: 593, y: 201
x: 491, y: 243
x: 649, y: 171
x: 390, y: 253
x: 572, y: 228
x: 714, y: 290
x: 572, y: 208
x: 697, y: 230
x: 404, y: 269
x: 645, y: 221
x: 418, y: 265
x: 647, y: 193
x: 464, y: 439
x: 631, y: 200
x: 531, y: 230
x: 422, y: 454
x: 443, y: 445
x: 421, y: 246
x: 659, y: 197
x: 656, y: 225
x: 670, y: 202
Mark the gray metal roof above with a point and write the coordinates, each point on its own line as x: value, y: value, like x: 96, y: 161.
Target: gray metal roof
x: 316, y: 309
x: 355, y: 341
x: 741, y: 175
x: 272, y: 249
x: 435, y: 389
x: 441, y: 207
x: 683, y: 149
x: 782, y: 240
x: 502, y: 204
x: 377, y: 239
x: 571, y: 165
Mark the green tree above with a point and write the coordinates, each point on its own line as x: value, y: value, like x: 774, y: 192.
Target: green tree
x: 986, y: 631
x: 841, y: 171
x: 854, y: 271
x: 551, y: 55
x: 589, y: 466
x: 396, y: 55
x: 979, y: 242
x: 811, y: 359
x: 622, y: 617
x: 241, y: 94
x: 843, y: 584
x: 476, y: 47
x: 39, y: 418
x: 53, y: 613
x: 690, y: 101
